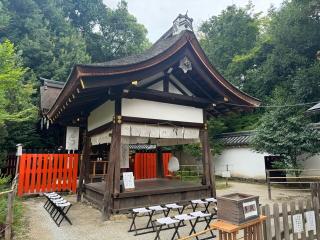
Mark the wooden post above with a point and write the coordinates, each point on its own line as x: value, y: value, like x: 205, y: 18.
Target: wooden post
x: 160, y: 173
x: 269, y: 184
x: 9, y: 218
x: 83, y: 160
x: 112, y: 187
x: 207, y: 160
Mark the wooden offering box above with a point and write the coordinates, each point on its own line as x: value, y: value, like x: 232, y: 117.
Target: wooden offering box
x: 238, y: 208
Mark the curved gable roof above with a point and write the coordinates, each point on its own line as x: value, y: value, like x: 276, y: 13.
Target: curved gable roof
x: 165, y: 48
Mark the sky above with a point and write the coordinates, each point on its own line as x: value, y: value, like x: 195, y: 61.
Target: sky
x: 157, y: 15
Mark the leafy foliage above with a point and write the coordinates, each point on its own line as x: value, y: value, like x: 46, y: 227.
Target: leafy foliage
x: 16, y: 105
x: 233, y: 32
x: 50, y: 37
x: 108, y: 33
x: 277, y: 63
x: 286, y: 132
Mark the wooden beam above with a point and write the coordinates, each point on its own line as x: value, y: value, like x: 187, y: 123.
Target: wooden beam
x: 166, y: 83
x: 165, y: 97
x: 150, y: 80
x: 161, y: 122
x: 179, y: 88
x: 146, y: 85
x: 104, y: 127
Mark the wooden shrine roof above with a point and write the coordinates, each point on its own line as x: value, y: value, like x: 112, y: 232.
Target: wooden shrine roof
x: 89, y: 85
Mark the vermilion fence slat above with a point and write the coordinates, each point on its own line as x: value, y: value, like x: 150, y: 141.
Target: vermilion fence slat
x: 145, y: 165
x: 70, y: 168
x: 44, y: 172
x: 155, y: 165
x: 49, y: 177
x: 27, y: 173
x: 55, y: 172
x: 21, y: 174
x: 39, y: 167
x: 75, y: 172
x: 33, y: 172
x: 60, y: 169
x: 65, y: 172
x: 147, y: 158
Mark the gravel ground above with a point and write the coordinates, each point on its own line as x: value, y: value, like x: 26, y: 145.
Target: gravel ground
x: 87, y: 223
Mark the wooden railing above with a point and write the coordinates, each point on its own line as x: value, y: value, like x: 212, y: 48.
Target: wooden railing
x: 283, y: 221
x: 292, y: 179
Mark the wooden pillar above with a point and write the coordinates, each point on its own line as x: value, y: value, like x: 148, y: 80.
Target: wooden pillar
x: 112, y: 187
x: 207, y: 162
x: 160, y: 173
x: 83, y: 163
x: 116, y: 187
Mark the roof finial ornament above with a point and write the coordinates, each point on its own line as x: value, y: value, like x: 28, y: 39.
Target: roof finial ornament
x: 181, y: 23
x: 185, y: 64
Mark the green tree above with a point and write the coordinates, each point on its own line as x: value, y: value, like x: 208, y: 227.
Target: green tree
x: 49, y: 44
x: 109, y: 33
x: 4, y: 17
x: 16, y: 106
x: 285, y: 131
x: 233, y: 32
x: 285, y: 55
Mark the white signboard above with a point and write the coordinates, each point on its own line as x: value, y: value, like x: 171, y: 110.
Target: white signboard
x: 226, y: 174
x: 72, y: 138
x: 310, y: 221
x: 128, y: 180
x: 297, y: 223
x: 250, y: 209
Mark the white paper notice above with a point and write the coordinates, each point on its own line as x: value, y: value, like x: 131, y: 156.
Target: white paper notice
x: 250, y: 209
x: 128, y: 180
x: 72, y: 138
x: 310, y: 221
x: 297, y: 223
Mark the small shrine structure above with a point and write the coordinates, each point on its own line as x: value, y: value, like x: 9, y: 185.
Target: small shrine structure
x: 162, y: 97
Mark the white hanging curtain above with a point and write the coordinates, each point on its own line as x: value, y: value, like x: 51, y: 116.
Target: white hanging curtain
x: 162, y: 132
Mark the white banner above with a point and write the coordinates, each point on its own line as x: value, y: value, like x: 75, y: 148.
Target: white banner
x: 72, y: 138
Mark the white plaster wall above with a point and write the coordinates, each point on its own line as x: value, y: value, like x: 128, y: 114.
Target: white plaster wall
x: 312, y: 163
x: 158, y: 110
x: 243, y: 163
x: 101, y: 115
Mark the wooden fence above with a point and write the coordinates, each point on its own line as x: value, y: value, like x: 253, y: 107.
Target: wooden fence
x: 315, y: 190
x: 9, y: 168
x: 47, y: 172
x: 294, y: 220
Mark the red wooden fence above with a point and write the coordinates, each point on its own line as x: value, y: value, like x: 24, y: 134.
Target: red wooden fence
x: 165, y: 161
x: 47, y: 172
x: 145, y: 165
